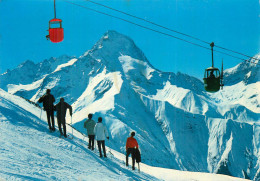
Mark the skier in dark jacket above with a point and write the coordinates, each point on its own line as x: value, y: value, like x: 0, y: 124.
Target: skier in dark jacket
x: 61, y: 109
x: 131, y: 146
x: 48, y: 100
x: 90, y: 125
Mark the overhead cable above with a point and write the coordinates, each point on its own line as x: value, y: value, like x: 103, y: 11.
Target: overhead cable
x: 164, y: 27
x: 160, y: 32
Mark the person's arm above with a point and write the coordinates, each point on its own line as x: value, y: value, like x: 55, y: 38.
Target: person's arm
x: 85, y: 124
x: 126, y: 145
x: 106, y: 132
x: 95, y: 129
x: 70, y: 108
x: 56, y: 106
x: 53, y: 99
x: 41, y: 99
x: 137, y: 144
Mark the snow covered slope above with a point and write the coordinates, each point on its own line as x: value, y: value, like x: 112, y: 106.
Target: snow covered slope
x: 178, y: 124
x: 30, y: 152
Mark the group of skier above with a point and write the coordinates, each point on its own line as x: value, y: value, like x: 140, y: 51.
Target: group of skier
x: 95, y: 130
x: 61, y: 108
x: 98, y: 130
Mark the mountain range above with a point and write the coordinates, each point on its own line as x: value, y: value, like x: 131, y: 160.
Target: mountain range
x: 178, y: 125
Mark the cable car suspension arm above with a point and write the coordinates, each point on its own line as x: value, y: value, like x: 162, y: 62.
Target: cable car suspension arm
x: 212, y: 45
x: 54, y: 10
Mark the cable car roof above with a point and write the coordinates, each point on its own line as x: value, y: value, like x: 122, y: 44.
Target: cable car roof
x: 55, y: 19
x: 212, y: 68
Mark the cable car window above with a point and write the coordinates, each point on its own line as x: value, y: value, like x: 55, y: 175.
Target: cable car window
x: 55, y: 24
x: 211, y: 74
x: 217, y: 73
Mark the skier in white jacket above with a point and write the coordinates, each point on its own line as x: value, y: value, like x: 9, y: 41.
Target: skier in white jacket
x: 101, y: 134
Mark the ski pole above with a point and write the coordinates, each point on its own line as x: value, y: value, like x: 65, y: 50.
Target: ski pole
x: 41, y: 114
x: 109, y: 150
x: 71, y: 124
x: 108, y: 147
x: 138, y: 167
x: 76, y: 130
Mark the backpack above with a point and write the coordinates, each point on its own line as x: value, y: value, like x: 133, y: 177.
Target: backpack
x: 137, y: 155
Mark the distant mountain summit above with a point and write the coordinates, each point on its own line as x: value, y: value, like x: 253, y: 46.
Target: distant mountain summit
x: 177, y: 123
x: 113, y: 44
x: 248, y: 72
x: 28, y: 72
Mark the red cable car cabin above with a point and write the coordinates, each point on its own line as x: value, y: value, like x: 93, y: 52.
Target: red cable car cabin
x: 56, y: 34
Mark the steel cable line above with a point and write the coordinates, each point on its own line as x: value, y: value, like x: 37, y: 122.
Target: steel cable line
x: 147, y: 21
x: 169, y: 35
x: 237, y: 52
x: 164, y: 27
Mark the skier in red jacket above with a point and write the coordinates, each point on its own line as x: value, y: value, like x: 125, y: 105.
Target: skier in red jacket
x: 131, y: 144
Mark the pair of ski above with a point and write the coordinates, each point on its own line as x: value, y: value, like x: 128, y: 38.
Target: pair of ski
x: 130, y: 168
x: 104, y: 158
x: 96, y: 152
x: 52, y: 131
x: 62, y: 136
x: 68, y: 136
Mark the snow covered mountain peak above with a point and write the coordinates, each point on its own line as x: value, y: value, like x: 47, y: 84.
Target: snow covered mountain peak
x: 256, y: 57
x: 119, y: 44
x: 26, y: 63
x: 247, y: 71
x: 111, y: 46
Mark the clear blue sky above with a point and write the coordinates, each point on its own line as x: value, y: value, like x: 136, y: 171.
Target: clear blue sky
x: 233, y: 24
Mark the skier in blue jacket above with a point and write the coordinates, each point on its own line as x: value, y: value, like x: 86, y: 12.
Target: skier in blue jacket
x: 90, y: 125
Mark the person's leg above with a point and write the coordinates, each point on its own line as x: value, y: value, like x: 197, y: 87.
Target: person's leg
x: 104, y: 148
x: 99, y: 148
x: 52, y: 120
x: 89, y: 141
x: 133, y: 159
x: 64, y: 130
x: 92, y: 141
x: 59, y: 125
x: 48, y: 118
x: 127, y: 155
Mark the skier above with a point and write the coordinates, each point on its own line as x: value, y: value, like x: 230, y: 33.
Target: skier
x: 131, y: 144
x: 48, y: 100
x: 100, y: 132
x: 90, y: 125
x: 61, y: 109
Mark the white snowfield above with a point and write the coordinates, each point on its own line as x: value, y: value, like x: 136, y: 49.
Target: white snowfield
x: 12, y: 88
x: 71, y: 62
x: 30, y: 152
